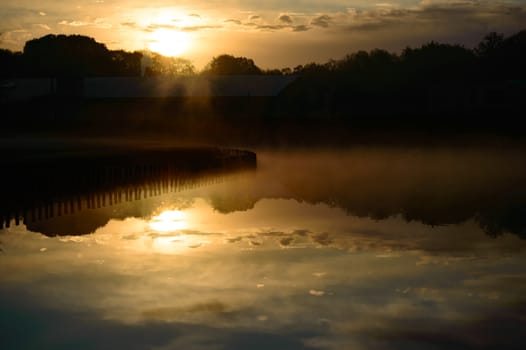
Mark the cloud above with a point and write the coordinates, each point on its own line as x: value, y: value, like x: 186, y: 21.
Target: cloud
x: 198, y: 28
x: 174, y: 27
x: 300, y: 28
x: 385, y: 4
x: 129, y: 24
x: 254, y: 17
x: 194, y: 15
x: 316, y: 293
x: 271, y: 27
x: 175, y: 313
x: 234, y: 239
x: 436, y: 17
x: 73, y: 23
x: 277, y: 27
x: 285, y: 19
x: 302, y: 232
x: 155, y: 26
x: 321, y: 21
x: 322, y: 238
x: 273, y: 234
x: 43, y: 26
x: 42, y: 13
x: 102, y: 23
x: 413, y: 330
x: 234, y: 21
x: 286, y: 241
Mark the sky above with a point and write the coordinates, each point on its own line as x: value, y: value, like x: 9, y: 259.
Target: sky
x: 275, y: 33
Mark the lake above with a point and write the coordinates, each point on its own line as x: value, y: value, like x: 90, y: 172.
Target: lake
x: 361, y: 248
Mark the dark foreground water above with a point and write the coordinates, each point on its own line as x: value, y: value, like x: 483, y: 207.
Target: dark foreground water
x: 368, y: 248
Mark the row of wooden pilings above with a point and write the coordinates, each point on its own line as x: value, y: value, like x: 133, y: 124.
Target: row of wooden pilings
x: 59, y: 193
x: 53, y: 207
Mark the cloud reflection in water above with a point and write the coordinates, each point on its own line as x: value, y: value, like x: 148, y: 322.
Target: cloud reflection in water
x: 287, y: 273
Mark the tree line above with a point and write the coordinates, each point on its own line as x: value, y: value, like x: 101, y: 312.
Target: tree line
x: 433, y: 78
x: 375, y: 81
x: 499, y: 57
x: 70, y: 56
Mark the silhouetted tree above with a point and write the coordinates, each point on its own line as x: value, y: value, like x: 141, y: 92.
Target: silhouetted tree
x: 274, y: 71
x: 126, y: 63
x: 511, y: 219
x: 501, y: 59
x: 10, y: 63
x: 67, y: 56
x: 365, y: 70
x: 158, y: 65
x: 437, y: 61
x: 491, y: 43
x: 231, y: 65
x: 514, y: 52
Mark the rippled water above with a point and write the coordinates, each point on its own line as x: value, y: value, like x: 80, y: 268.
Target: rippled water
x: 367, y: 248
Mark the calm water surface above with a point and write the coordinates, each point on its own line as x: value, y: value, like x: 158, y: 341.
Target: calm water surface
x: 368, y: 248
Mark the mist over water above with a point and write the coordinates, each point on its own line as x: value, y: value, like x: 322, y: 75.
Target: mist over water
x: 367, y: 247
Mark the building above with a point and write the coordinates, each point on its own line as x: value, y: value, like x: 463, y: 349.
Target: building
x: 146, y: 87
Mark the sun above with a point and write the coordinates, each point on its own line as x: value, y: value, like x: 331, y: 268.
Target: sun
x: 169, y: 42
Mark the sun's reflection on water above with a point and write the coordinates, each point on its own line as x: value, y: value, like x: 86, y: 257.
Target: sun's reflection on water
x: 169, y: 221
x: 170, y: 232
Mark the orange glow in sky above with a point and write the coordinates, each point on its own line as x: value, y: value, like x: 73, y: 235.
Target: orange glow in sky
x: 274, y: 34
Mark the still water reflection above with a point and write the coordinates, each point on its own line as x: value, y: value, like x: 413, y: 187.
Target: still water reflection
x: 365, y: 248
